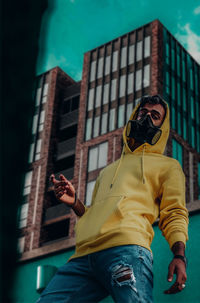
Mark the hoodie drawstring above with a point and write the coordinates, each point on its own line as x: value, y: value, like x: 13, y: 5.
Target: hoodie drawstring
x: 142, y: 163
x: 119, y: 164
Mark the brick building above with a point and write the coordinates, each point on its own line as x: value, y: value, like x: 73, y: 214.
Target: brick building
x: 80, y: 137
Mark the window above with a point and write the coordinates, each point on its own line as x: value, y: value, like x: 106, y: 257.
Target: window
x: 177, y: 151
x: 139, y: 51
x: 183, y: 71
x: 167, y: 53
x: 20, y: 245
x: 184, y: 99
x: 92, y: 70
x: 114, y: 61
x: 105, y: 93
x: 121, y: 110
x: 98, y: 96
x: 38, y: 149
x: 173, y: 88
x: 27, y: 183
x: 193, y: 136
x: 191, y: 80
x: 197, y: 112
x: 100, y: 68
x: 131, y: 55
x: 107, y: 65
x: 146, y: 81
x: 138, y: 84
x: 147, y: 41
x: 98, y: 156
x: 122, y: 87
x: 31, y: 153
x: 173, y: 59
x: 137, y: 101
x: 112, y: 119
x: 196, y: 84
x: 45, y: 93
x: 129, y: 110
x: 123, y: 56
x: 113, y: 89
x: 130, y: 83
x: 66, y: 107
x: 88, y: 129
x: 96, y: 126
x: 23, y: 213
x: 173, y: 117
x: 38, y: 96
x: 179, y: 93
x: 75, y: 103
x: 167, y: 83
x: 42, y: 118
x: 89, y: 192
x: 192, y: 107
x: 104, y: 123
x: 178, y: 65
x: 91, y: 99
x: 56, y: 231
x: 35, y: 121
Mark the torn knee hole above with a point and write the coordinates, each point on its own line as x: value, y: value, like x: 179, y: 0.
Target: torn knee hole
x: 123, y: 274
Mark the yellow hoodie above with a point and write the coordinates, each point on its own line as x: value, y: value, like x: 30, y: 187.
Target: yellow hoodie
x: 130, y: 194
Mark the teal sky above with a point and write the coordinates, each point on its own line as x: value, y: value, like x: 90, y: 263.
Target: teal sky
x: 72, y: 27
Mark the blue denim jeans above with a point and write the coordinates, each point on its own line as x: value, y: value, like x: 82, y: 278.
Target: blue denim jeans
x: 124, y: 272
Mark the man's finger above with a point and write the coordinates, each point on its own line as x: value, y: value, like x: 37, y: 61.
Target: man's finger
x: 53, y: 179
x: 176, y: 287
x: 62, y: 178
x: 61, y: 184
x: 60, y: 190
x: 170, y: 273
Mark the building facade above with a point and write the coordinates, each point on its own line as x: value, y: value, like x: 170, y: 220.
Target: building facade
x: 77, y: 130
x: 116, y: 75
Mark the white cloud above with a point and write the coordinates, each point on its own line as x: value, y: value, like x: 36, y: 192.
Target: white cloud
x: 190, y: 40
x: 197, y: 10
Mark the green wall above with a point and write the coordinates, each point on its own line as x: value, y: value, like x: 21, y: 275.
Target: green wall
x: 25, y: 286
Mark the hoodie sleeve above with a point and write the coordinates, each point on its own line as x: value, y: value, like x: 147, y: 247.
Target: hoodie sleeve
x: 173, y: 213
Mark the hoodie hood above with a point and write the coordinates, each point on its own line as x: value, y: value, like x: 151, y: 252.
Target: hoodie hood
x: 159, y: 147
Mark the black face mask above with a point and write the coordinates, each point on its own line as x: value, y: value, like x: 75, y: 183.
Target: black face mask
x: 143, y: 130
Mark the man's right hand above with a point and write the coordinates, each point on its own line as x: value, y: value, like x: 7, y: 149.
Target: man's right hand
x: 63, y: 189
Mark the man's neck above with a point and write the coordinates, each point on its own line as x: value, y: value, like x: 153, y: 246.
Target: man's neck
x: 135, y: 145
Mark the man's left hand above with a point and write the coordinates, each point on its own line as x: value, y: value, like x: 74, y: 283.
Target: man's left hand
x: 178, y: 267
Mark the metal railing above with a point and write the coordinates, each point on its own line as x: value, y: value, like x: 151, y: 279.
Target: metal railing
x: 69, y: 119
x: 66, y: 148
x: 56, y: 211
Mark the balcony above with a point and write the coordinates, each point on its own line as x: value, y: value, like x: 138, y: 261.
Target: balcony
x: 68, y: 173
x: 66, y: 148
x: 56, y: 212
x: 69, y: 119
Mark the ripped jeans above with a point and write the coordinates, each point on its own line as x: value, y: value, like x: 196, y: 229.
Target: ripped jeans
x: 124, y: 272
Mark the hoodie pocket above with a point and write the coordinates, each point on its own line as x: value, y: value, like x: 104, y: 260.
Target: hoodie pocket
x: 100, y: 218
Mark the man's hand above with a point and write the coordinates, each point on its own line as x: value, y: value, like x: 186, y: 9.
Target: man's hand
x: 178, y: 267
x: 63, y: 189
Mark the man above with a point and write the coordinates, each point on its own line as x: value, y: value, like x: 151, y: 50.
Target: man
x: 113, y: 236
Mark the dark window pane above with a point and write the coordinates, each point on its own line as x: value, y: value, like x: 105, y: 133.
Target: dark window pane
x: 75, y: 102
x: 66, y: 107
